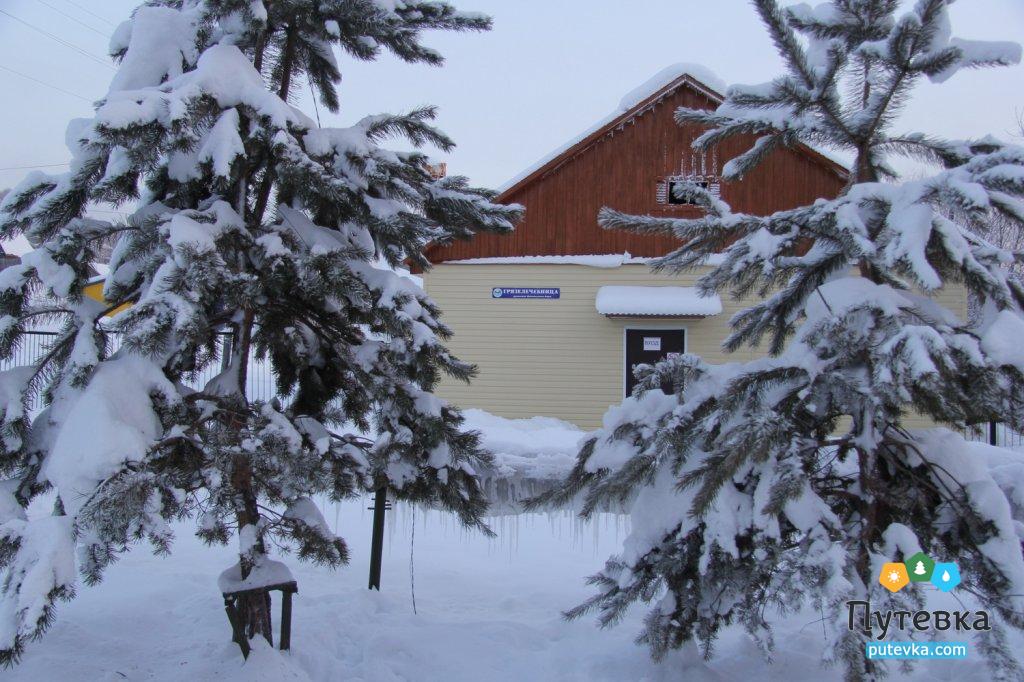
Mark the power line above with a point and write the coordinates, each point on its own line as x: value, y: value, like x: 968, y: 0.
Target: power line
x: 89, y: 12
x: 49, y: 85
x: 43, y: 165
x: 60, y: 40
x: 74, y: 19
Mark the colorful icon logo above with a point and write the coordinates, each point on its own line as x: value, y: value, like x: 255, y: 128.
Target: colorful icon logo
x: 919, y: 568
x: 946, y: 576
x: 894, y: 577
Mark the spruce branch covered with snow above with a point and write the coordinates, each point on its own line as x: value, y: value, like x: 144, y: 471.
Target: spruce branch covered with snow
x: 786, y: 482
x: 255, y: 224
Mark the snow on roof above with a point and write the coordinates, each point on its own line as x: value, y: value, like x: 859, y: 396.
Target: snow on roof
x: 635, y: 96
x: 656, y: 301
x: 698, y: 72
x: 608, y: 260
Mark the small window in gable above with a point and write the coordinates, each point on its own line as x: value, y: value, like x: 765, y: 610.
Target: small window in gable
x: 667, y: 188
x: 700, y: 168
x: 675, y: 185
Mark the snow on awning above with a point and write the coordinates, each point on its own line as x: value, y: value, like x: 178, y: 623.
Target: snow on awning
x: 640, y: 301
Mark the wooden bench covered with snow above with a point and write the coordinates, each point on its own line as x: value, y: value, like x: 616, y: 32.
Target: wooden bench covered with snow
x: 264, y: 578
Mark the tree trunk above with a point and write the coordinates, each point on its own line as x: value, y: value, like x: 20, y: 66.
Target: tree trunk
x: 867, y: 462
x: 868, y: 513
x: 287, y: 66
x: 254, y: 612
x: 253, y: 607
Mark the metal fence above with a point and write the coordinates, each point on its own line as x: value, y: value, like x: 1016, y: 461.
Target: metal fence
x: 995, y: 433
x: 34, y: 345
x: 260, y: 385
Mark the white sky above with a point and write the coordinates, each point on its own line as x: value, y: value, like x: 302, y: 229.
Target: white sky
x: 547, y: 71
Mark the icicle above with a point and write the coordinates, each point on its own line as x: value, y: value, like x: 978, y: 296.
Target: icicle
x: 412, y: 567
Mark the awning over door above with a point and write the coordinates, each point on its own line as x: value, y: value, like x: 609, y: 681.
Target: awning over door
x: 640, y: 301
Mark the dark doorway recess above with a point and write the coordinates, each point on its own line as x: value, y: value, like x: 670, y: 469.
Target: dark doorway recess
x: 648, y: 346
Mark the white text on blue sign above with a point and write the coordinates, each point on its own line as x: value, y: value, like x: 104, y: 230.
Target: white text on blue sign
x: 526, y: 292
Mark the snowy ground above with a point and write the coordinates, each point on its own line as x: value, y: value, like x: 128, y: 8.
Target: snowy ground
x: 486, y: 610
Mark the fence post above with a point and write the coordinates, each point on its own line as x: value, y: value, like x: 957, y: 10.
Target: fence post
x: 225, y: 349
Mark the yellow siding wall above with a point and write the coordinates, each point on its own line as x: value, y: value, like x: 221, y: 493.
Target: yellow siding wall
x: 953, y: 298
x: 558, y: 358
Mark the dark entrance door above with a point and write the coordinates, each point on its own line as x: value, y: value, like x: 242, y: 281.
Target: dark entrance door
x: 647, y: 346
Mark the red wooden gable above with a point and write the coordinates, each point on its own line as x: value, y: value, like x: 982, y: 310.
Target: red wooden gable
x: 625, y: 164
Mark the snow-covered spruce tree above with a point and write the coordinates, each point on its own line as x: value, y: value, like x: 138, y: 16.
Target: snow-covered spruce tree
x: 784, y: 483
x: 253, y: 220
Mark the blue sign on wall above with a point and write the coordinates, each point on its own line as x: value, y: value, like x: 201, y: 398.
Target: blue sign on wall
x: 526, y: 292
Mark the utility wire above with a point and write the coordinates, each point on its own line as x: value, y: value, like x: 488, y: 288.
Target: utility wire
x: 42, y: 165
x: 49, y: 85
x: 412, y: 567
x: 89, y: 12
x: 60, y: 40
x: 74, y: 19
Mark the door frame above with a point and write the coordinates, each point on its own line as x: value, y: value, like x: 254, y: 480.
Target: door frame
x: 639, y: 326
